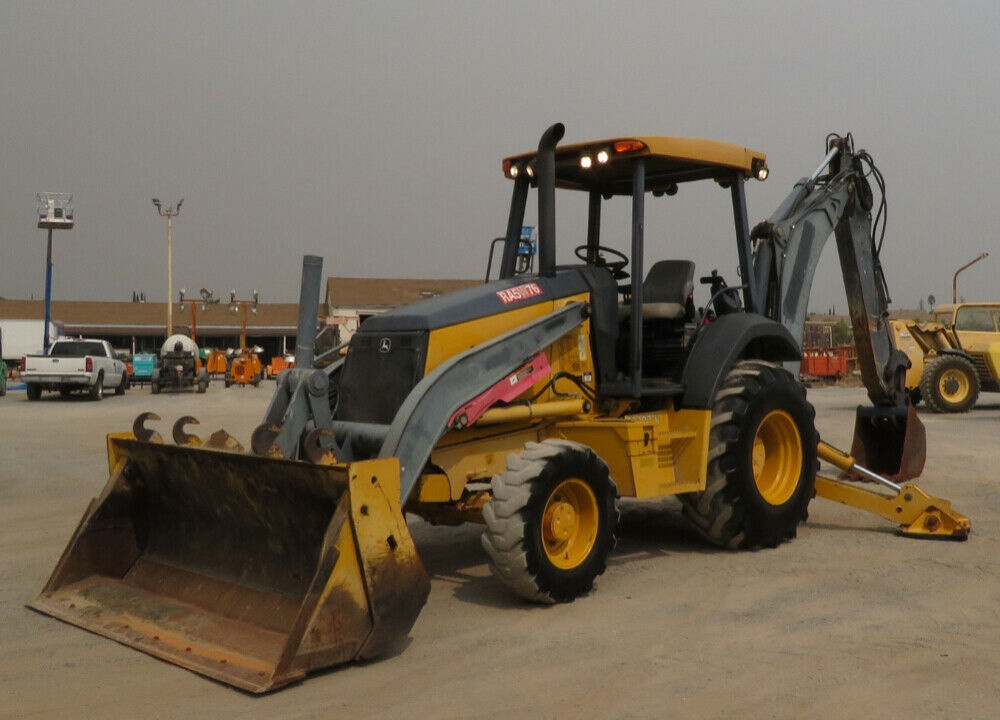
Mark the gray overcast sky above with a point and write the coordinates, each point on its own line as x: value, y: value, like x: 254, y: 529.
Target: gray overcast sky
x: 371, y: 133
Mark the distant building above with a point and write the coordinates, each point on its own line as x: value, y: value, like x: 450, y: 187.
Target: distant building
x: 141, y: 326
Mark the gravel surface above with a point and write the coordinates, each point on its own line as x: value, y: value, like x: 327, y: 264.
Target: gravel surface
x: 846, y: 620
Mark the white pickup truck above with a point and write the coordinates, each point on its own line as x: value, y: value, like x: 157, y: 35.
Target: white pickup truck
x: 74, y: 364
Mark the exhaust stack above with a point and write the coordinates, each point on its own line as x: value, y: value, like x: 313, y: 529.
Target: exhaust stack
x: 545, y: 166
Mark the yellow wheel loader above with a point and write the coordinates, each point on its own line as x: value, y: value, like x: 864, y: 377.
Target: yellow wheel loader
x: 529, y: 404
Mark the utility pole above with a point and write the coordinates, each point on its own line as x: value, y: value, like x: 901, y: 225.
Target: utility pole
x: 169, y: 213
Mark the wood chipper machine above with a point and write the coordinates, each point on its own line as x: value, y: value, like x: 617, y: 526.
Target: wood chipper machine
x: 529, y: 404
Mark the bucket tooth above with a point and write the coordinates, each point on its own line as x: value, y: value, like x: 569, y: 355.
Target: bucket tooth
x: 143, y: 433
x: 181, y: 437
x: 221, y: 440
x: 262, y: 441
x: 312, y: 446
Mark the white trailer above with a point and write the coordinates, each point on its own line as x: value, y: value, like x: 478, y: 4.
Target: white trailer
x: 25, y: 337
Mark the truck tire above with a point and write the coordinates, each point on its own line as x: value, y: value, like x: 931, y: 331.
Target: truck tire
x: 97, y: 389
x: 949, y: 384
x: 33, y: 390
x: 121, y: 387
x: 551, y: 523
x: 761, y: 460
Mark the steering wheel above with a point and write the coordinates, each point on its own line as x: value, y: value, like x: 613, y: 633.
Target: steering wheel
x: 617, y: 267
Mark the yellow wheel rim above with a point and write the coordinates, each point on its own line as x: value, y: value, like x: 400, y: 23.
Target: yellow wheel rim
x: 954, y: 386
x: 569, y: 523
x: 777, y: 457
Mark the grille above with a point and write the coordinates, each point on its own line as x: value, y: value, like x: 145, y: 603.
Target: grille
x: 379, y: 372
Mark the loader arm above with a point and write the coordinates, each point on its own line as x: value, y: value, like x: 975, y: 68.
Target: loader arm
x: 788, y: 249
x: 299, y: 407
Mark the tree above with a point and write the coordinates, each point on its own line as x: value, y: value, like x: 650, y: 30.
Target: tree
x: 842, y: 334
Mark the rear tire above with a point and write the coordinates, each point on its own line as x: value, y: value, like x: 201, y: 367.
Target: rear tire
x: 949, y: 384
x: 551, y: 523
x: 33, y: 390
x: 97, y: 389
x: 761, y: 460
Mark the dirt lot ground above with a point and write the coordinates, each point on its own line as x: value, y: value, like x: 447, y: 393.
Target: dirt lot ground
x: 848, y: 620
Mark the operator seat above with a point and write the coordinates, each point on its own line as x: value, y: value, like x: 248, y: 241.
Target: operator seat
x: 667, y: 291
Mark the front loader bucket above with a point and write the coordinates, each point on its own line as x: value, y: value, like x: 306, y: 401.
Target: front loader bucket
x: 890, y: 441
x: 253, y: 571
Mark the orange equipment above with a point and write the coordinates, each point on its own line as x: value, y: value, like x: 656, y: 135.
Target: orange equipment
x: 279, y: 363
x: 245, y: 367
x: 217, y: 364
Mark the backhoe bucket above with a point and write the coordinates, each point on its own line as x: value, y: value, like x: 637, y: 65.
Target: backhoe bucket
x: 250, y: 570
x: 890, y: 441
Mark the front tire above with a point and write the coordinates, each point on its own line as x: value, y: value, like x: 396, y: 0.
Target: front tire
x: 949, y: 384
x: 761, y: 460
x: 123, y: 385
x: 551, y: 523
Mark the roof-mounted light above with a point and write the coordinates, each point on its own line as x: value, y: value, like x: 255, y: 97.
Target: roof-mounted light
x: 586, y: 162
x: 602, y: 156
x: 627, y: 146
x: 759, y: 169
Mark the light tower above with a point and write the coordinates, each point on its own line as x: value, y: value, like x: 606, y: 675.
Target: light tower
x: 55, y: 212
x: 169, y: 213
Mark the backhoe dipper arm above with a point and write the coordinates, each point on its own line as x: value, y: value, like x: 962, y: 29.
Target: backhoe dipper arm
x: 788, y: 247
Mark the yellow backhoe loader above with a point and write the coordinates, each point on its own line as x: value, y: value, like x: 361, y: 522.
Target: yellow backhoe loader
x: 530, y: 404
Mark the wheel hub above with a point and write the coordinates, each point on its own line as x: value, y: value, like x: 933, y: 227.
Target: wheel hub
x: 776, y: 457
x: 954, y: 386
x: 563, y: 521
x: 570, y: 523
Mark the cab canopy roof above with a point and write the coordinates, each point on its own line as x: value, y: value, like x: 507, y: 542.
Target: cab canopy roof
x: 606, y: 165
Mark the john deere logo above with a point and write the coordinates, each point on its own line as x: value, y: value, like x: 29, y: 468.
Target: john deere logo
x: 384, y: 345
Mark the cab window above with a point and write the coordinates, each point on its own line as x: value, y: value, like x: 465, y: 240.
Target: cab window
x: 974, y: 319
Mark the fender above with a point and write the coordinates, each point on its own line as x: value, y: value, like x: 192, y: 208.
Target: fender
x: 720, y: 344
x: 955, y: 351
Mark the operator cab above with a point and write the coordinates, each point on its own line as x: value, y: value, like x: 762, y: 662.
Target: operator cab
x: 643, y: 316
